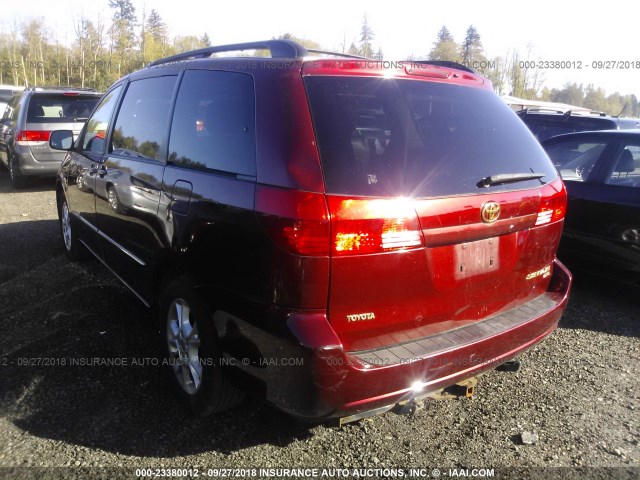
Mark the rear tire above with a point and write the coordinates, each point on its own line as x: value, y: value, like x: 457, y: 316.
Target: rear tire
x: 191, y: 351
x: 72, y: 247
x: 18, y: 180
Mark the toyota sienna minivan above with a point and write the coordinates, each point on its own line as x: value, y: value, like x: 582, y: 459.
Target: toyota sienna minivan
x: 334, y: 235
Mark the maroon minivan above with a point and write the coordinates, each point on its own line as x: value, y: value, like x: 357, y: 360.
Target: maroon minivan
x: 334, y: 235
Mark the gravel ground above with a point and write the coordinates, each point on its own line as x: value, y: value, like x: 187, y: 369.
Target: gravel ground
x: 574, y: 403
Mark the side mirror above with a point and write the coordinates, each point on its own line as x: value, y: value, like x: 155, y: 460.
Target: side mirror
x: 61, y: 139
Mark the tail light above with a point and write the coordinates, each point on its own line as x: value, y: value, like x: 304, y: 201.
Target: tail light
x: 362, y: 226
x: 299, y: 222
x: 296, y: 221
x: 553, y: 205
x: 33, y: 136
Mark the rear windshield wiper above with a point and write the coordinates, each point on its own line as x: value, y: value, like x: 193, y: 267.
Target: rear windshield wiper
x: 508, y: 178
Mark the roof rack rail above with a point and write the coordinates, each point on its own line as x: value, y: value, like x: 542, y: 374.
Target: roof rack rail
x: 278, y: 49
x: 59, y: 87
x: 584, y: 112
x: 542, y: 109
x: 336, y: 54
x: 443, y: 63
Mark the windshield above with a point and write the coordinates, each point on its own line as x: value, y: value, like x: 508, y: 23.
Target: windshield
x: 397, y: 137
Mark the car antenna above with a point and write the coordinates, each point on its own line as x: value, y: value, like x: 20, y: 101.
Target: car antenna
x: 622, y: 111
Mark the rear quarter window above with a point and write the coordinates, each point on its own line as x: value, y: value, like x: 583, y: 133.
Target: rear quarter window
x: 401, y: 137
x: 213, y: 124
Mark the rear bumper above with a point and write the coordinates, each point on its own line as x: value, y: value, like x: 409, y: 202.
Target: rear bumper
x: 311, y: 376
x: 30, y: 166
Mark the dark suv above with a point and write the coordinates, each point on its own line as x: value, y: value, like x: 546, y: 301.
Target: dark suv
x: 549, y: 123
x: 338, y: 234
x: 28, y: 120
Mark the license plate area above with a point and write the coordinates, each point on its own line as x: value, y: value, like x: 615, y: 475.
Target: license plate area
x: 476, y: 258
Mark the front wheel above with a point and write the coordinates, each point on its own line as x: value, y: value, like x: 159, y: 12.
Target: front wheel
x: 72, y: 246
x: 191, y: 351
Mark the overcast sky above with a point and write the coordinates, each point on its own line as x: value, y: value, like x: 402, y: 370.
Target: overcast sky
x: 568, y: 30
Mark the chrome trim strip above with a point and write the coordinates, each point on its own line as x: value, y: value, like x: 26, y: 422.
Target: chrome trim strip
x: 109, y: 239
x: 117, y: 245
x: 86, y: 222
x: 118, y: 276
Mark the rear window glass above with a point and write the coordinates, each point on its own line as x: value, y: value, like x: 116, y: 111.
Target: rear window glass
x: 51, y: 108
x: 545, y: 127
x: 397, y: 137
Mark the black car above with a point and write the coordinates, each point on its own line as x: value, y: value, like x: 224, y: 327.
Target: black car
x: 545, y: 123
x: 601, y: 171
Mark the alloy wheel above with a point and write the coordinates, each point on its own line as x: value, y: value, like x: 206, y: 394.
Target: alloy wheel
x: 65, y: 221
x: 184, y: 346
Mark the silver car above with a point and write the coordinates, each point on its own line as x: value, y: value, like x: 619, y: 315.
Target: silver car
x: 27, y: 123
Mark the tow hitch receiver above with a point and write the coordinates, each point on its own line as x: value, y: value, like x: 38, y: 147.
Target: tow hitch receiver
x: 408, y: 408
x: 512, y: 366
x: 465, y: 388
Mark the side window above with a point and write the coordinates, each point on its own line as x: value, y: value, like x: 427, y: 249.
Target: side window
x: 575, y: 159
x: 97, y: 126
x: 13, y: 109
x: 142, y: 119
x: 214, y: 122
x: 626, y: 168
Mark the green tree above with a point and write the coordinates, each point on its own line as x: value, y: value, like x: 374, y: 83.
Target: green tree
x: 471, y: 50
x: 122, y: 32
x: 524, y: 81
x: 571, y: 93
x: 366, y: 37
x: 633, y: 106
x: 545, y: 95
x: 101, y: 75
x: 81, y: 29
x: 498, y: 73
x: 187, y: 43
x: 156, y: 26
x: 353, y: 49
x: 11, y: 44
x: 615, y: 104
x: 154, y: 42
x: 595, y: 99
x: 445, y: 47
x: 34, y: 46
